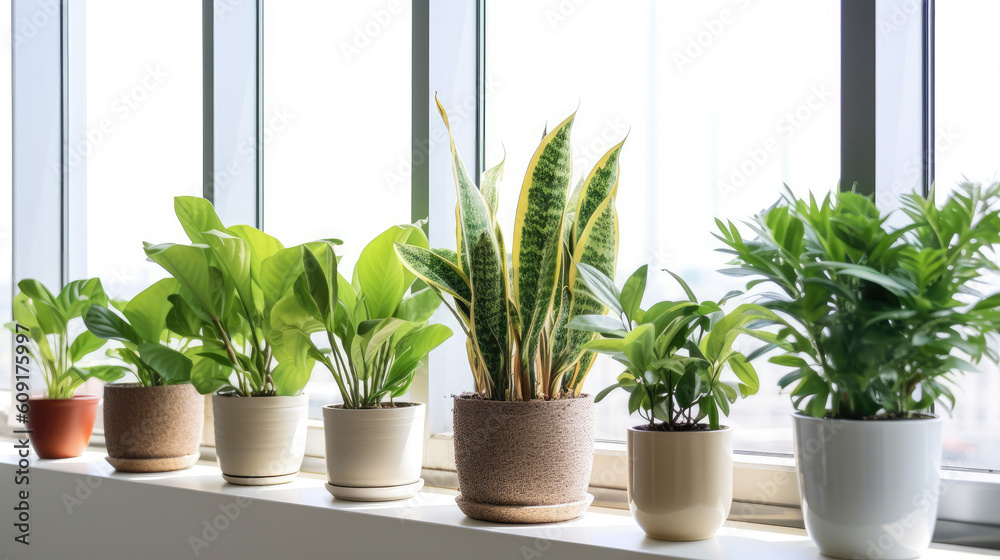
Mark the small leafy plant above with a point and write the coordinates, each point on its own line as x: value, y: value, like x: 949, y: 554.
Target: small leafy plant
x: 52, y: 346
x: 377, y: 333
x: 674, y: 353
x: 155, y: 354
x: 514, y: 311
x: 235, y: 283
x: 874, y: 320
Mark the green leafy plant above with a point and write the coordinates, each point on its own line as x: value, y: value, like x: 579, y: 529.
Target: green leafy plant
x: 48, y: 318
x: 377, y: 332
x: 155, y: 354
x: 514, y: 309
x: 674, y: 353
x: 234, y: 284
x: 875, y: 320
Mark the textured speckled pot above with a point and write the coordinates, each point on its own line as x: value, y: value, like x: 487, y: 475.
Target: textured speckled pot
x: 524, y: 461
x: 680, y: 484
x: 869, y: 488
x: 373, y: 447
x: 260, y: 440
x: 152, y: 429
x: 61, y: 428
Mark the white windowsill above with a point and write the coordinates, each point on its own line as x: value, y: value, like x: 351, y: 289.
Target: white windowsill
x: 156, y: 515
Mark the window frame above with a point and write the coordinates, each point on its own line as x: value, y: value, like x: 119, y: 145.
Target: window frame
x: 877, y: 138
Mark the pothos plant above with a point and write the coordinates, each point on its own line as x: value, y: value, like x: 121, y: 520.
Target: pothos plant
x: 874, y: 320
x: 51, y: 344
x: 376, y: 332
x: 234, y: 283
x: 674, y: 353
x: 153, y: 352
x: 515, y: 309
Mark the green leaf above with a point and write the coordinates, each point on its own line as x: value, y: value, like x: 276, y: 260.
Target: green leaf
x: 379, y: 273
x: 167, y: 362
x: 688, y: 388
x: 435, y: 270
x: 78, y: 296
x: 289, y: 379
x: 189, y: 265
x: 745, y: 372
x: 600, y: 183
x: 605, y: 392
x: 598, y: 324
x: 261, y: 246
x: 147, y: 312
x: 104, y: 373
x: 210, y: 371
x: 633, y: 290
x: 601, y: 287
x: 638, y: 346
x: 419, y: 306
x: 106, y: 324
x: 84, y: 344
x: 197, y: 216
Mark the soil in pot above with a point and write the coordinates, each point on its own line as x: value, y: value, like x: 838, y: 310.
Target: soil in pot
x: 260, y: 440
x: 680, y: 483
x: 524, y: 461
x: 61, y: 428
x: 152, y: 429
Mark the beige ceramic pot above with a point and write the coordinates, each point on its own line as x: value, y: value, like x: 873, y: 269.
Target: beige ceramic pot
x: 524, y: 461
x: 152, y: 429
x: 374, y: 448
x: 680, y: 484
x: 260, y: 440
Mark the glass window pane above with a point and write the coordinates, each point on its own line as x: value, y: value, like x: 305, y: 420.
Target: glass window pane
x: 967, y: 66
x: 144, y: 130
x: 719, y: 112
x: 337, y: 144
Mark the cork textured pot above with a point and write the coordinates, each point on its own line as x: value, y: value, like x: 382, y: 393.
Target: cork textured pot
x: 61, y: 428
x: 152, y: 429
x: 373, y: 448
x: 534, y: 454
x: 680, y: 484
x: 260, y: 440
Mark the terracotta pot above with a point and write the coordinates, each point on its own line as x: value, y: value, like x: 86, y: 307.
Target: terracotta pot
x: 374, y: 448
x: 61, y: 428
x: 152, y: 429
x: 260, y: 440
x: 869, y: 488
x: 524, y: 461
x: 680, y: 484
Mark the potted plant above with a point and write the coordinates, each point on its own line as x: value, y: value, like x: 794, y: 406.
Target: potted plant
x: 524, y: 440
x: 234, y: 283
x: 377, y: 336
x: 680, y: 463
x: 875, y: 321
x: 61, y: 422
x: 153, y: 425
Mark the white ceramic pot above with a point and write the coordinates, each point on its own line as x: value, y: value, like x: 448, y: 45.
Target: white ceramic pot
x: 680, y: 484
x: 869, y: 487
x: 260, y: 440
x: 378, y: 449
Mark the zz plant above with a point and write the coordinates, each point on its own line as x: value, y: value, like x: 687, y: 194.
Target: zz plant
x: 514, y: 309
x: 874, y: 320
x: 235, y: 283
x: 155, y: 354
x: 49, y: 319
x: 674, y: 353
x: 377, y: 333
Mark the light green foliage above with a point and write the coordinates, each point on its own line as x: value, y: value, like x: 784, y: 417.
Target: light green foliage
x: 514, y: 307
x: 674, y: 353
x: 48, y: 318
x: 235, y: 296
x: 377, y: 333
x: 151, y: 350
x: 874, y: 320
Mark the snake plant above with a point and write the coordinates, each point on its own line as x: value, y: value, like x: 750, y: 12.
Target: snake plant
x: 515, y: 308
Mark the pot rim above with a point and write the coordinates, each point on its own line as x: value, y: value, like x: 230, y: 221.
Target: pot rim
x: 271, y: 401
x: 78, y: 398
x: 473, y: 397
x: 137, y: 385
x: 797, y: 415
x: 721, y: 430
x: 407, y: 406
